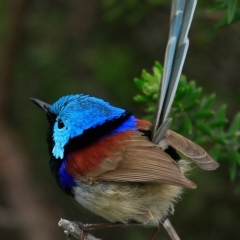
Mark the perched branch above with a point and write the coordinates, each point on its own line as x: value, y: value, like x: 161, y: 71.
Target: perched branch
x: 170, y: 230
x: 74, y: 230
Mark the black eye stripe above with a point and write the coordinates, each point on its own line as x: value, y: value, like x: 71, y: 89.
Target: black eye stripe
x: 60, y: 124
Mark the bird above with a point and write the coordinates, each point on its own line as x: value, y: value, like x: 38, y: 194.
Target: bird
x: 125, y: 169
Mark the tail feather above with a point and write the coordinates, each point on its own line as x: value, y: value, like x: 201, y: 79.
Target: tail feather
x: 178, y: 42
x: 181, y: 18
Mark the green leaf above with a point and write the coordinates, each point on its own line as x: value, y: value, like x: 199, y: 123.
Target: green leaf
x: 204, y: 128
x: 138, y: 82
x: 224, y: 21
x: 218, y: 8
x: 179, y: 106
x: 141, y: 98
x: 232, y: 169
x: 158, y: 66
x: 202, y: 114
x: 207, y: 101
x: 231, y: 9
x: 220, y: 117
x: 222, y: 111
x: 146, y: 76
x: 215, y: 152
x: 235, y: 126
x: 219, y: 139
x: 187, y: 124
x: 190, y: 105
x: 234, y: 154
x: 218, y: 123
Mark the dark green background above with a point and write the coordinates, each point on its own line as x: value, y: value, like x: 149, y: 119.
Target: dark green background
x: 53, y: 48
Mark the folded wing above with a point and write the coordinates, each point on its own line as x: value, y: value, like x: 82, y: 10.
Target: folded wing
x: 139, y: 160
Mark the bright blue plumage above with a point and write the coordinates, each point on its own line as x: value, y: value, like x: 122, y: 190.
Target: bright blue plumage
x: 65, y: 179
x: 79, y: 113
x: 129, y: 124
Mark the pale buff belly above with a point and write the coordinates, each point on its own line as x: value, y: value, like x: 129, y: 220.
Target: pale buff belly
x: 146, y: 203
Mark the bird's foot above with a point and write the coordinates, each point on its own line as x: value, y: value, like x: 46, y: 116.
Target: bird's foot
x: 154, y: 234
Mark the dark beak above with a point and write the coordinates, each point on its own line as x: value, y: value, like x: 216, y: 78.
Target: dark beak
x: 41, y: 104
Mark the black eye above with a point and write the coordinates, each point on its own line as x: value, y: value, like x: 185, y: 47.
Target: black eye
x: 60, y: 124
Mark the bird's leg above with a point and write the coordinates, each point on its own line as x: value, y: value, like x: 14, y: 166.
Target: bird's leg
x: 83, y: 234
x: 155, y: 232
x: 95, y: 226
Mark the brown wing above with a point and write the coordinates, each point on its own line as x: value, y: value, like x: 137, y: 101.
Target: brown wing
x: 191, y: 150
x: 139, y: 160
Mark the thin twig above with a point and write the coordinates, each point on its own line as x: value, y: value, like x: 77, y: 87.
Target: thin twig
x: 170, y: 230
x: 71, y: 228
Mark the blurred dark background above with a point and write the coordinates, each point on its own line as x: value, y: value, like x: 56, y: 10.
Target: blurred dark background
x: 52, y: 48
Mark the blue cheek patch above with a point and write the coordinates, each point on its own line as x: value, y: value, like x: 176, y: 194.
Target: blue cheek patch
x: 60, y: 137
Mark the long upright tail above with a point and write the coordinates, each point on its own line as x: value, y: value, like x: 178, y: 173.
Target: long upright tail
x: 178, y: 42
x: 177, y: 46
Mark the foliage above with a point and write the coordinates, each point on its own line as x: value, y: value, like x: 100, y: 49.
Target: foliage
x: 134, y: 10
x: 194, y: 115
x: 232, y: 11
